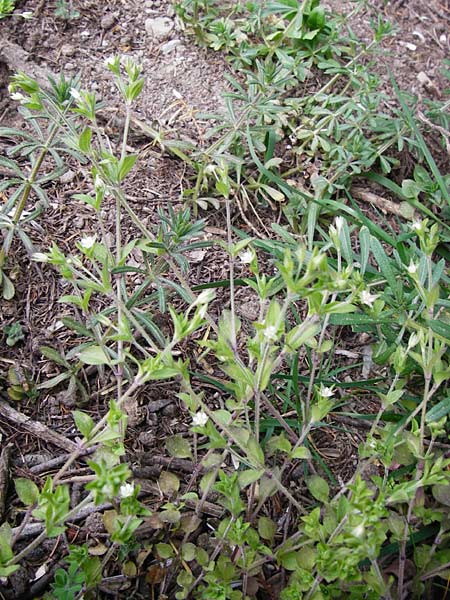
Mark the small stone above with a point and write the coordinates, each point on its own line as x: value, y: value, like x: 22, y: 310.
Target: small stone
x: 68, y: 50
x: 108, y: 21
x: 159, y: 27
x: 170, y: 46
x: 424, y: 79
x: 67, y: 177
x: 69, y: 66
x: 146, y: 438
x: 170, y: 410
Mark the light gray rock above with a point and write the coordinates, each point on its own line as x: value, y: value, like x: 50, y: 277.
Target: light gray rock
x: 68, y: 50
x: 170, y: 46
x: 108, y: 21
x: 158, y: 27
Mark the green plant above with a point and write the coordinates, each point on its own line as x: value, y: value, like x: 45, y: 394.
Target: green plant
x: 6, y: 8
x: 14, y: 333
x: 64, y: 10
x: 326, y: 272
x: 47, y: 112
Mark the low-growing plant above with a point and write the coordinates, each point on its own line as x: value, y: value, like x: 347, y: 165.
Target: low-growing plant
x: 6, y: 8
x: 278, y: 379
x: 47, y: 111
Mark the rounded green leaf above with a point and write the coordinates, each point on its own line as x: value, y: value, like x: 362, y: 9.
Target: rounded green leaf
x: 27, y: 491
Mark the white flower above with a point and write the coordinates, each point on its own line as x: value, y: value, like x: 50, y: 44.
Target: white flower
x: 326, y: 392
x: 270, y: 333
x: 413, y: 340
x: 88, y: 242
x: 339, y: 224
x: 358, y: 531
x: 75, y: 94
x: 200, y: 419
x: 110, y: 61
x: 39, y: 257
x: 17, y: 96
x: 416, y: 226
x: 412, y: 269
x: 126, y: 490
x: 246, y: 257
x: 99, y: 184
x: 368, y: 298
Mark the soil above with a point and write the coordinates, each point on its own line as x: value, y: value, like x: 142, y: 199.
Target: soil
x: 182, y: 82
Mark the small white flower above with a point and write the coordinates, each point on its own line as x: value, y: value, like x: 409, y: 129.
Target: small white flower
x: 270, y: 333
x: 326, y: 392
x: 17, y: 96
x: 200, y: 419
x: 126, y: 490
x: 416, y: 226
x: 339, y: 224
x: 88, y: 242
x: 99, y: 184
x: 110, y: 61
x: 358, y: 531
x: 368, y: 298
x: 246, y: 257
x: 39, y: 257
x: 412, y: 269
x: 75, y: 94
x: 413, y: 340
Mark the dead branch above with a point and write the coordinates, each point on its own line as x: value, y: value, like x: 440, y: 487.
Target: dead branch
x: 4, y: 477
x: 37, y: 429
x: 387, y: 206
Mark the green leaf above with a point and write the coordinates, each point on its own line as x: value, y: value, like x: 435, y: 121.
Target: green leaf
x: 84, y: 423
x: 441, y: 328
x: 441, y: 409
x: 165, y: 550
x: 126, y: 164
x: 301, y: 453
x: 288, y: 561
x: 27, y: 491
x: 384, y: 263
x: 410, y: 189
x: 178, y: 446
x: 249, y: 476
x: 188, y: 551
x: 169, y: 483
x: 8, y: 290
x: 94, y: 355
x: 77, y: 327
x: 266, y: 528
x: 364, y: 243
x: 84, y: 141
x: 318, y: 488
x: 53, y: 355
x: 442, y: 494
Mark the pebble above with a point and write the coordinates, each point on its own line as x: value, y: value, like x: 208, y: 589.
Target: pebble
x: 108, y: 21
x: 69, y: 66
x: 158, y: 27
x: 68, y: 50
x: 169, y: 411
x: 146, y: 438
x: 67, y: 177
x: 169, y: 46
